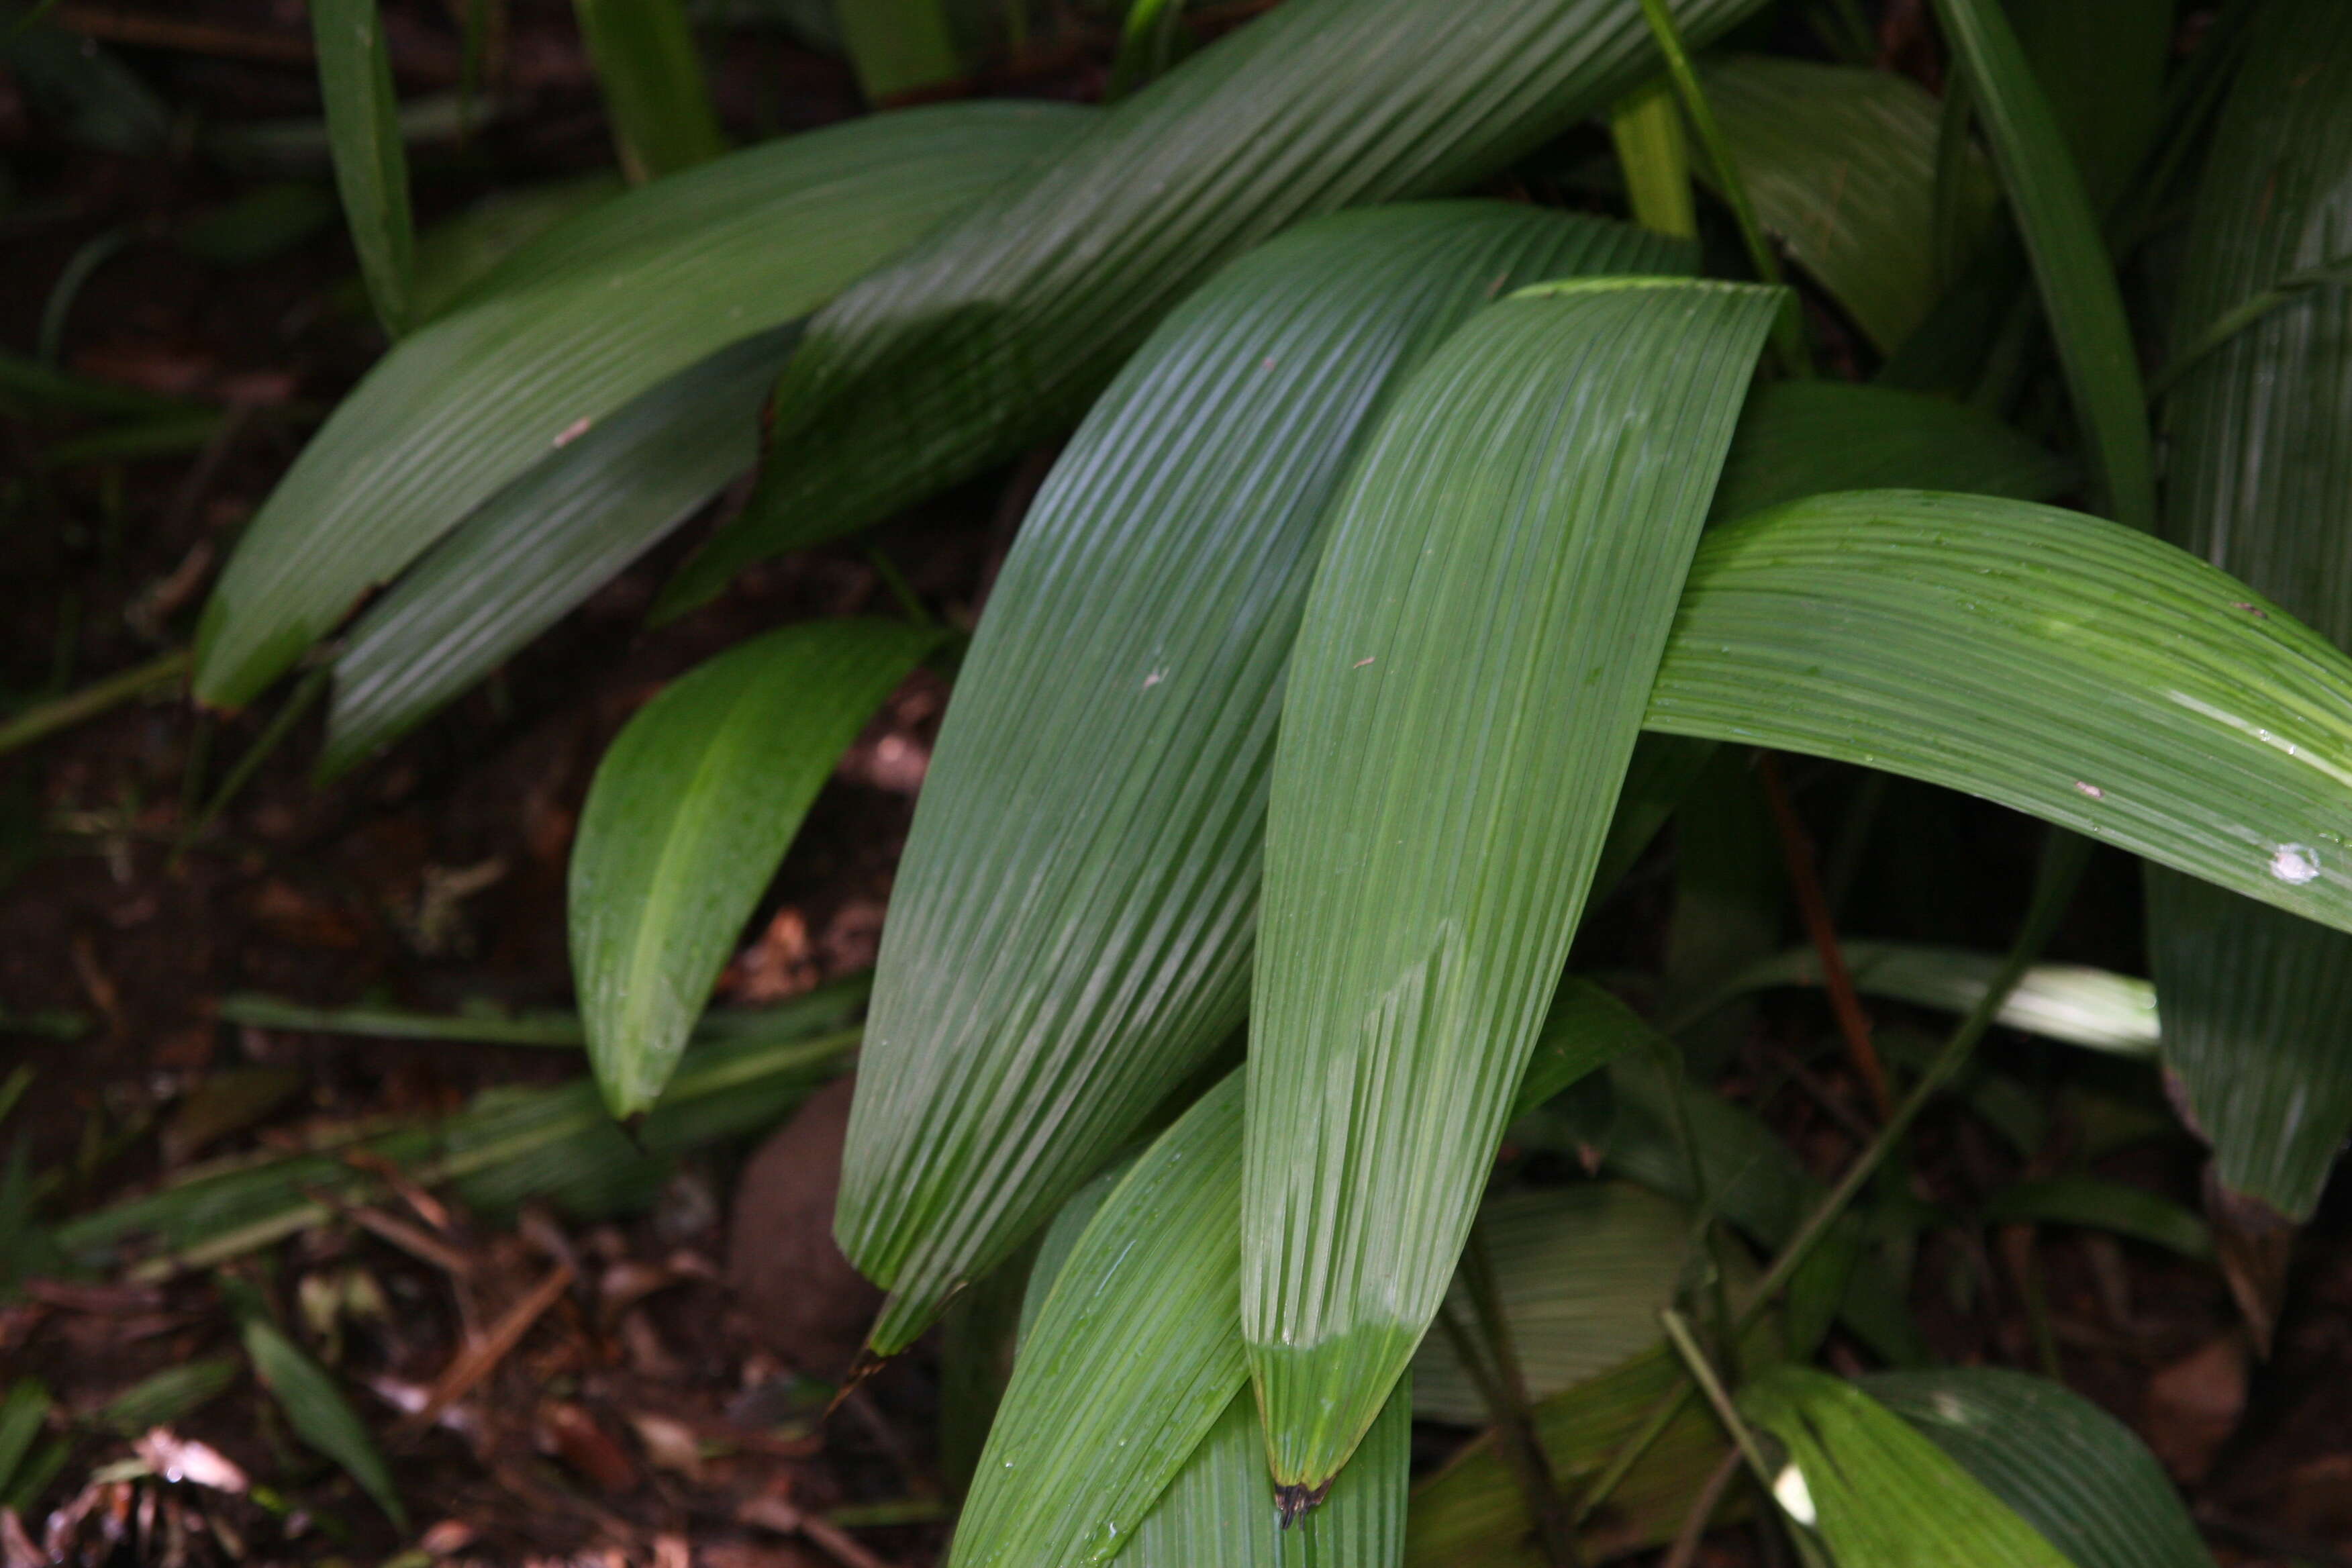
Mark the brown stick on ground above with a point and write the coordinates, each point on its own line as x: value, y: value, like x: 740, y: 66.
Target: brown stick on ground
x: 1798, y: 850
x: 481, y: 1356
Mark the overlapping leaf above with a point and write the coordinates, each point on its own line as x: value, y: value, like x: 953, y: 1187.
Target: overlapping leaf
x: 371, y: 165
x: 654, y: 95
x: 2069, y: 1002
x: 997, y: 332
x: 1463, y: 698
x: 1070, y: 928
x: 567, y: 331
x: 692, y: 808
x: 2058, y: 664
x: 2257, y: 1006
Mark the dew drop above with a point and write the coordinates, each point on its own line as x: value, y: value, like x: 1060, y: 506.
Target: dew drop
x: 2294, y: 863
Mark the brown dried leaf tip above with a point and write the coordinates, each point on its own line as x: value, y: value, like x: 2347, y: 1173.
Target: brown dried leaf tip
x: 1292, y: 1502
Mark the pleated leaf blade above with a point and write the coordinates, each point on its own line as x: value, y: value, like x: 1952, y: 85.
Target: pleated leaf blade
x: 1462, y: 704
x: 1071, y: 926
x: 691, y: 809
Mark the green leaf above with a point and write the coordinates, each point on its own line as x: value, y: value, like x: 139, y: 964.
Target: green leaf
x: 457, y: 254
x: 1841, y: 165
x: 1647, y: 127
x: 534, y: 552
x: 1583, y: 1271
x: 2101, y: 63
x: 371, y: 165
x: 1078, y: 894
x: 997, y: 332
x: 1501, y: 573
x: 2077, y: 280
x: 654, y: 95
x: 1881, y: 1495
x: 691, y: 809
x: 2059, y: 665
x: 2069, y: 1469
x: 1800, y: 438
x: 22, y: 1416
x: 897, y: 46
x: 2257, y: 1006
x: 567, y: 332
x: 172, y: 1395
x: 319, y: 1414
x: 2102, y: 1205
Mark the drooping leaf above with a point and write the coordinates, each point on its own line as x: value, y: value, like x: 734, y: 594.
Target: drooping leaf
x: 319, y: 1414
x: 2057, y: 664
x: 2102, y: 1205
x: 1463, y: 698
x: 566, y: 332
x: 532, y: 553
x: 2071, y: 1470
x: 655, y: 94
x: 371, y: 165
x: 1840, y: 162
x: 691, y: 809
x: 2256, y: 1005
x: 997, y: 332
x: 2061, y: 232
x: 1798, y: 438
x: 1070, y: 928
x: 1880, y: 1494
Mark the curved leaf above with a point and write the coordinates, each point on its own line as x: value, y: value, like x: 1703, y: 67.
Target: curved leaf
x: 319, y: 1413
x: 571, y: 328
x: 2101, y: 1205
x: 997, y: 332
x: 1070, y: 930
x: 532, y: 553
x: 2069, y: 1469
x: 1501, y: 575
x: 1840, y: 162
x: 1882, y: 1495
x: 691, y: 809
x: 2257, y: 1006
x: 371, y: 165
x: 2057, y: 664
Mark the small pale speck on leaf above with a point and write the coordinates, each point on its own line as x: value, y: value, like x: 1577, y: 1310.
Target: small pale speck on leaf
x: 574, y: 431
x: 2295, y: 864
x: 2254, y: 610
x: 2093, y: 791
x: 1795, y: 1498
x: 1361, y: 662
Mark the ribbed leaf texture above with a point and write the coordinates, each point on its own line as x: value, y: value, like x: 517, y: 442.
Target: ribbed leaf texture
x: 1466, y: 688
x: 371, y: 165
x: 2257, y: 1006
x: 2053, y: 662
x: 532, y: 553
x: 1070, y: 931
x: 996, y: 334
x: 1880, y: 1494
x: 571, y: 328
x: 1840, y: 162
x: 691, y: 809
x: 2067, y: 1468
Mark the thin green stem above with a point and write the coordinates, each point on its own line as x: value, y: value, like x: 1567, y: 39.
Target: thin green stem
x: 280, y: 725
x: 1503, y: 1384
x: 60, y: 714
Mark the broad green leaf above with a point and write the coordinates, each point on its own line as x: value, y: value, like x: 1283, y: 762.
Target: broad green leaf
x: 2102, y: 1205
x: 1647, y: 127
x: 2069, y: 1002
x: 319, y: 1414
x: 897, y: 46
x: 655, y: 96
x: 371, y: 165
x: 2057, y: 664
x: 1840, y: 162
x: 1462, y: 704
x: 566, y: 332
x: 532, y: 553
x: 1583, y: 1271
x: 998, y: 332
x: 1798, y: 438
x: 691, y: 809
x: 1880, y: 1494
x: 2071, y: 1470
x: 2257, y: 1006
x: 2061, y: 231
x: 457, y: 253
x: 1070, y: 928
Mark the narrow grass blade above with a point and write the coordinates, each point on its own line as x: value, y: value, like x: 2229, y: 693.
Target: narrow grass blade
x: 1070, y: 930
x: 1841, y: 165
x: 2257, y: 1006
x: 897, y: 46
x: 1881, y: 1495
x: 26, y: 1410
x: 996, y: 334
x: 2101, y: 1205
x: 2071, y: 1470
x: 319, y: 1414
x: 2061, y: 231
x: 654, y: 95
x: 566, y: 332
x: 1647, y: 127
x: 371, y: 165
x: 692, y: 808
x: 1501, y: 575
x: 531, y: 554
x: 2056, y: 664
